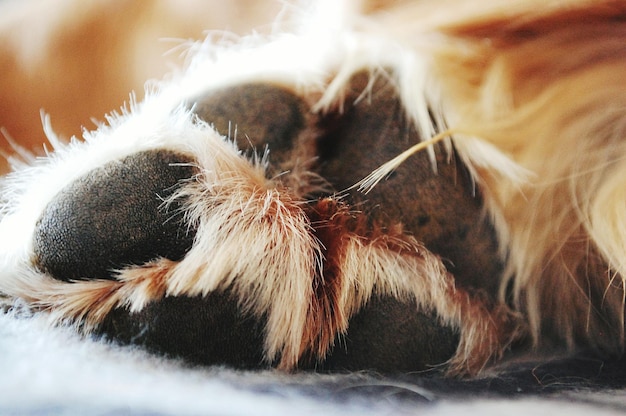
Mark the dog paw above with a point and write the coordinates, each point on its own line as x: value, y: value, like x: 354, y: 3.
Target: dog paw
x: 226, y: 231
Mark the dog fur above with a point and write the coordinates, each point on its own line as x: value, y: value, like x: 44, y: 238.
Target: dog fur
x: 525, y: 95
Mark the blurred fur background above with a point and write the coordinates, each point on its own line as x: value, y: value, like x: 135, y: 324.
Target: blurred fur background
x: 78, y: 60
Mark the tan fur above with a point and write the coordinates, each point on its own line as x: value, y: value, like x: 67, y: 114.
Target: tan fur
x: 548, y: 91
x: 544, y: 84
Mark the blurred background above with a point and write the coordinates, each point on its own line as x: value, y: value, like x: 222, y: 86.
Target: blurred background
x: 78, y: 60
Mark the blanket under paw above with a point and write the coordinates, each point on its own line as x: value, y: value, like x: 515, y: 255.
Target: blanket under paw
x: 47, y: 370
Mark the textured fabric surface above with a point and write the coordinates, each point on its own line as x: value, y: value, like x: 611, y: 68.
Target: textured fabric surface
x: 53, y: 371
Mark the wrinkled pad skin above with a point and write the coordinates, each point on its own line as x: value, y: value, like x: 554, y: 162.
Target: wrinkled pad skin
x: 113, y: 217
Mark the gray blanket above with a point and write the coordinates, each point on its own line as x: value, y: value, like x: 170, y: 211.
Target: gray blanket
x: 45, y: 370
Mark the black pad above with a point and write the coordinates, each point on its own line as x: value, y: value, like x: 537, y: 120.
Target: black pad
x: 201, y: 330
x: 392, y: 336
x: 114, y: 216
x: 441, y: 209
x: 260, y: 114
